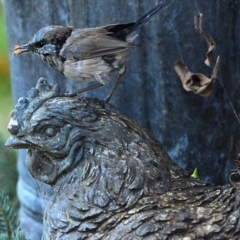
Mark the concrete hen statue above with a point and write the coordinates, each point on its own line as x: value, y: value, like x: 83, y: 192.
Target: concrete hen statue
x: 110, y: 178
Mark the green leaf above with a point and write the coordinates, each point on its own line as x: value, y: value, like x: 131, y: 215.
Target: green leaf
x: 195, y: 173
x: 8, y: 224
x: 7, y: 216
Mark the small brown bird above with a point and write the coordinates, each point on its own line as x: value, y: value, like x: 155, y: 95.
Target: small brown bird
x: 88, y: 54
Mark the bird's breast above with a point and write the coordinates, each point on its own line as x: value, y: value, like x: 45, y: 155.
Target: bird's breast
x: 53, y: 61
x: 93, y: 69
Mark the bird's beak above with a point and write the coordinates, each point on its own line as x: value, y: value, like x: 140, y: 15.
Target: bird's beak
x: 16, y: 143
x: 20, y: 49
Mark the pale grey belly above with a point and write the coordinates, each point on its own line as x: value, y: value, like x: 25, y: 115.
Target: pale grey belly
x: 94, y: 69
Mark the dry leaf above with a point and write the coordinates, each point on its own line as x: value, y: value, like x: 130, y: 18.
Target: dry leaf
x: 195, y: 82
x: 211, y: 48
x: 211, y: 43
x: 17, y: 50
x: 198, y: 22
x: 215, y: 69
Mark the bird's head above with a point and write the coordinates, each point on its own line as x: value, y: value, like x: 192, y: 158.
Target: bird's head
x: 47, y: 41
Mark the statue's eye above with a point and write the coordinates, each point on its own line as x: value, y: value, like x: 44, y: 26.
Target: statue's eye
x: 50, y: 131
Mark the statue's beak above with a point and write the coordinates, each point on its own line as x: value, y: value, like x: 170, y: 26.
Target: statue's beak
x: 20, y: 49
x: 16, y: 143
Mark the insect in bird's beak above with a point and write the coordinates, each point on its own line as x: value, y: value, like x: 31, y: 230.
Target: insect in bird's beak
x: 19, y: 49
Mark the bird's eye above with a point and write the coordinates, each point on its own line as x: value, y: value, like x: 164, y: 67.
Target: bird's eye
x: 40, y: 44
x: 50, y: 131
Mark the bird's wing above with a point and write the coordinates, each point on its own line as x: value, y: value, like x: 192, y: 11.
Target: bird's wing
x: 94, y: 42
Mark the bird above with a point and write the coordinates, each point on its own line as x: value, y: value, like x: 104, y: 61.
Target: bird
x: 110, y: 178
x: 88, y: 54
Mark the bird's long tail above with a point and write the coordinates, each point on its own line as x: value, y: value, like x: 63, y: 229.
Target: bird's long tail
x: 149, y: 15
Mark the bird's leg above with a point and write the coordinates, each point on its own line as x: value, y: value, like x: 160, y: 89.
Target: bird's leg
x: 115, y: 86
x: 73, y: 94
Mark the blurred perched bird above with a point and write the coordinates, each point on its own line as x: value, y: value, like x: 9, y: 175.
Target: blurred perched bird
x: 110, y: 178
x: 88, y: 54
